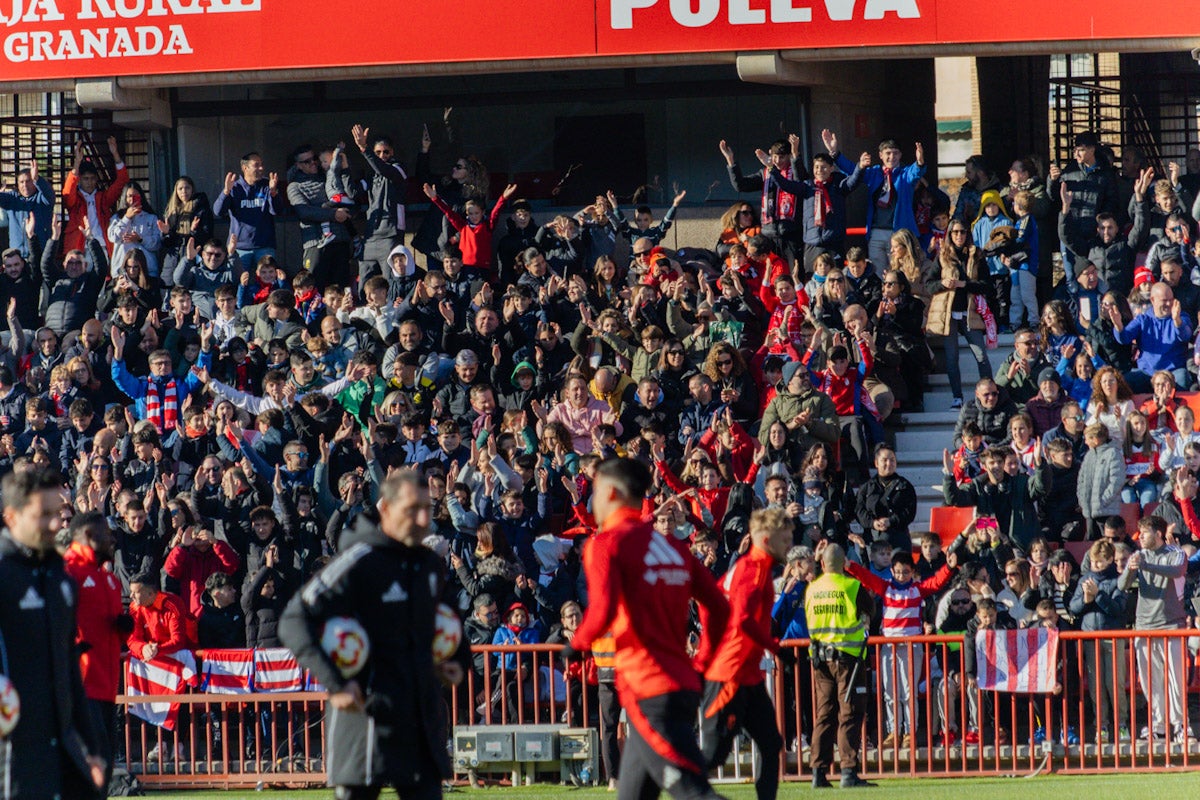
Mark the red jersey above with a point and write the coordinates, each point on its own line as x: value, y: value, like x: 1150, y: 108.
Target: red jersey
x: 772, y: 270
x: 96, y: 616
x: 475, y: 241
x: 751, y: 594
x: 165, y: 622
x: 640, y: 584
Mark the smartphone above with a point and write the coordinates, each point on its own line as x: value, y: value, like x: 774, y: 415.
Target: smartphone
x: 986, y: 523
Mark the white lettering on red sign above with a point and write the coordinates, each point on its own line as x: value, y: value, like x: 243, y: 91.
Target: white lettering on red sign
x: 107, y: 42
x: 699, y: 13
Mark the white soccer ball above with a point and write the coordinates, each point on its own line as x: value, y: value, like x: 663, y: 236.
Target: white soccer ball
x: 447, y: 633
x: 10, y: 707
x: 345, y: 641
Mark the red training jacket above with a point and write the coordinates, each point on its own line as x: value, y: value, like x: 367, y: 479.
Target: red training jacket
x: 165, y: 622
x: 96, y: 622
x: 751, y: 595
x: 640, y: 584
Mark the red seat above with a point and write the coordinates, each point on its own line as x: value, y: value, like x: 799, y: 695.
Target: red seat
x: 1077, y: 550
x: 948, y: 521
x: 1131, y: 513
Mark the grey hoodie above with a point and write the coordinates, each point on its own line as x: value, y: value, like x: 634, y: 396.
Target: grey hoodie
x: 1159, y: 583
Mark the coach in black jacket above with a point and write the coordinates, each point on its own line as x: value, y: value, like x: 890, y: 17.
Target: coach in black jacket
x: 387, y: 724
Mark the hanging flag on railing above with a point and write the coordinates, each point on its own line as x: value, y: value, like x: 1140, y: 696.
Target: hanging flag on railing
x: 161, y: 675
x: 1018, y: 660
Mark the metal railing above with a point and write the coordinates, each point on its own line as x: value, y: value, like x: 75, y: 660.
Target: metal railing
x: 1106, y: 718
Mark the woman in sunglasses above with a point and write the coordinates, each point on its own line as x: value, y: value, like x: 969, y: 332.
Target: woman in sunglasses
x: 955, y: 309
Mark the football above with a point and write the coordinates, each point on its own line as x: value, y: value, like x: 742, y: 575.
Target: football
x: 447, y: 633
x: 345, y: 641
x: 10, y: 707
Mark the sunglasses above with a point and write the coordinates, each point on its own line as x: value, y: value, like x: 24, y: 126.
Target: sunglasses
x: 966, y: 602
x: 1012, y: 574
x: 725, y: 362
x: 306, y: 161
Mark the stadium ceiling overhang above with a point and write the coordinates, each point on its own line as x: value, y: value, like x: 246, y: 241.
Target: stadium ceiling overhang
x: 151, y: 44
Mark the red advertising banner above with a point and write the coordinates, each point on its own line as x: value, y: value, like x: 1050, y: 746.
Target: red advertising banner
x: 44, y: 39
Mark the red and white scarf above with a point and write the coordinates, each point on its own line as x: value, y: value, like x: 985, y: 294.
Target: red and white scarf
x: 822, y: 205
x: 163, y: 411
x: 991, y: 338
x: 885, y: 194
x: 785, y: 202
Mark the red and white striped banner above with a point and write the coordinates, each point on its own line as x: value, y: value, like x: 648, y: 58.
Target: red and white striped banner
x: 276, y: 670
x: 163, y: 674
x: 227, y: 671
x: 1017, y: 660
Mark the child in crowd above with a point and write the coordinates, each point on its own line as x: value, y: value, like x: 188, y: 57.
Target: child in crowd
x: 1024, y: 263
x: 1141, y: 462
x: 938, y: 225
x: 474, y: 232
x: 991, y: 216
x: 967, y: 459
x: 902, y: 599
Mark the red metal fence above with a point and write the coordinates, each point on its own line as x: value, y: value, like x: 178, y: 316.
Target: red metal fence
x: 1124, y: 706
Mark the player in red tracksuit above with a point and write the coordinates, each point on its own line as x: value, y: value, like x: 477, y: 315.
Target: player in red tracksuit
x: 101, y: 622
x: 640, y: 584
x: 735, y: 693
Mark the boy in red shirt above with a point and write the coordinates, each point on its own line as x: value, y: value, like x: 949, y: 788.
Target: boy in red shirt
x: 735, y: 694
x: 474, y: 232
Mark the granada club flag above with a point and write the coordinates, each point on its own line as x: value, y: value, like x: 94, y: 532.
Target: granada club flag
x: 227, y: 671
x: 161, y: 675
x: 1018, y: 660
x: 276, y: 670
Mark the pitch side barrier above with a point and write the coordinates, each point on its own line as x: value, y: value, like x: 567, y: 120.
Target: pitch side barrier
x: 519, y: 704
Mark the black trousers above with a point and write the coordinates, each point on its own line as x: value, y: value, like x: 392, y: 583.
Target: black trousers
x: 104, y: 720
x: 672, y: 762
x: 610, y: 718
x: 746, y: 708
x: 428, y: 788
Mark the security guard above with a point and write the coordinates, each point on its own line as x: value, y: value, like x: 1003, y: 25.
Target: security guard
x: 604, y: 652
x: 836, y: 608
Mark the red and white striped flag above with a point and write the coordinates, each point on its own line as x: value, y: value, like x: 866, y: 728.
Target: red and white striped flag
x: 1018, y: 660
x: 276, y: 670
x: 227, y: 671
x: 163, y: 674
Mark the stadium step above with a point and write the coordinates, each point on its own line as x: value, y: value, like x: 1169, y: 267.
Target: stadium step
x: 922, y: 436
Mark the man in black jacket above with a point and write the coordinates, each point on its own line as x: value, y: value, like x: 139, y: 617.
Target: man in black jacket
x: 385, y: 201
x: 53, y: 748
x: 387, y: 723
x: 990, y: 410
